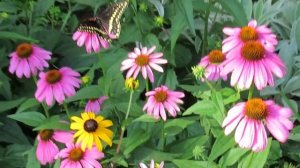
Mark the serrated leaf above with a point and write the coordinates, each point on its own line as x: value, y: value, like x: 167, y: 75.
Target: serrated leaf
x: 257, y: 159
x: 54, y: 122
x: 27, y: 104
x: 89, y: 92
x: 134, y: 140
x: 178, y: 23
x: 186, y: 7
x: 7, y: 105
x: 29, y: 118
x: 175, y: 126
x: 222, y: 144
x: 203, y: 107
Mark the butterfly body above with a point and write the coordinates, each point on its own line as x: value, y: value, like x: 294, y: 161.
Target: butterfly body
x: 107, y: 24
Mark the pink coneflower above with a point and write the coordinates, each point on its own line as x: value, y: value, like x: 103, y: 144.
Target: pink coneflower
x: 238, y: 36
x: 252, y: 62
x: 212, y: 64
x: 152, y: 165
x: 28, y: 59
x: 91, y: 40
x: 74, y: 157
x: 57, y: 84
x: 46, y: 148
x: 94, y: 105
x: 249, y: 118
x: 162, y: 98
x: 143, y: 60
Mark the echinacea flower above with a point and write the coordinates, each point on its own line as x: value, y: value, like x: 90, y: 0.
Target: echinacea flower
x: 252, y: 63
x: 57, y: 85
x: 46, y: 148
x: 238, y: 36
x: 143, y: 60
x: 28, y: 59
x: 90, y: 129
x: 162, y: 98
x: 74, y: 157
x: 91, y: 40
x: 94, y: 105
x: 249, y: 119
x: 152, y: 165
x: 212, y: 64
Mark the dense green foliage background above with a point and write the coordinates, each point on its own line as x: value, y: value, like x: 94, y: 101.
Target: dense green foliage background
x: 190, y: 29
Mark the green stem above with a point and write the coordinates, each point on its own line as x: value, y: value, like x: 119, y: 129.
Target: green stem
x: 67, y: 110
x: 43, y: 104
x: 123, y: 128
x: 205, y: 36
x: 250, y: 91
x: 210, y: 85
x: 67, y: 16
x: 147, y: 85
x: 162, y: 140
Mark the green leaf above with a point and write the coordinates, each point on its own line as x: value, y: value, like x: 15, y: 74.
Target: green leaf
x: 258, y: 9
x: 5, y: 88
x: 42, y: 7
x: 54, y: 122
x: 175, y: 126
x: 235, y: 9
x: 193, y: 164
x: 145, y: 118
x: 171, y: 80
x: 178, y: 23
x: 8, y: 6
x: 89, y: 92
x: 151, y: 40
x: 15, y: 36
x: 292, y: 84
x: 233, y: 156
x: 221, y: 145
x: 7, y: 105
x: 183, y: 56
x: 203, y: 107
x: 297, y: 33
x: 32, y: 161
x: 27, y: 104
x: 134, y: 140
x: 186, y: 8
x: 257, y: 159
x: 247, y: 4
x: 29, y: 118
x: 186, y: 146
x: 12, y: 133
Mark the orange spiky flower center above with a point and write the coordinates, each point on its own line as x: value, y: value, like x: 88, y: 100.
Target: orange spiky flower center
x: 216, y: 56
x: 248, y: 34
x: 253, y: 51
x: 256, y: 109
x: 24, y: 50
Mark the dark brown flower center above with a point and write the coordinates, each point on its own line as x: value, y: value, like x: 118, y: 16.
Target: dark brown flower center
x: 256, y: 109
x: 24, y: 50
x: 53, y: 76
x: 142, y: 60
x: 248, y: 34
x: 90, y: 125
x: 46, y: 134
x: 216, y: 56
x: 253, y: 51
x: 161, y: 96
x: 76, y: 154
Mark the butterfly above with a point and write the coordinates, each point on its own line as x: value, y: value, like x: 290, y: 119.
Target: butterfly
x: 107, y: 23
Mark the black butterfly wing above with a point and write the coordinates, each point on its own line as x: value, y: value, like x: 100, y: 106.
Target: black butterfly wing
x: 94, y: 25
x: 111, y: 17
